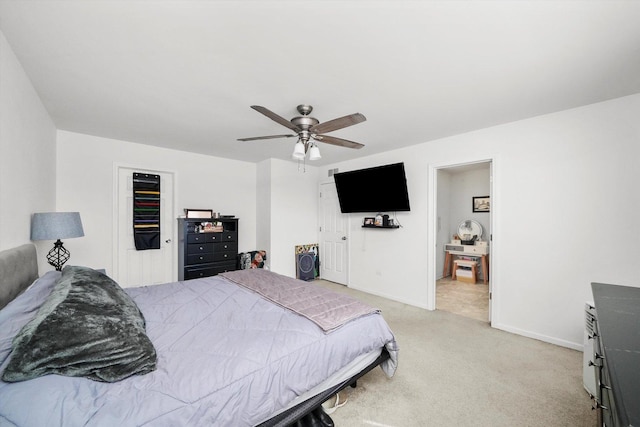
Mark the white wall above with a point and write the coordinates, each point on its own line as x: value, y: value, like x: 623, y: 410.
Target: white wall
x: 293, y: 212
x: 27, y: 155
x: 263, y: 208
x: 390, y: 262
x: 86, y: 166
x: 564, y: 199
x: 465, y: 186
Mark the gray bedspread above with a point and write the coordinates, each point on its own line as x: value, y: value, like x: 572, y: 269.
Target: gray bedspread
x: 226, y: 357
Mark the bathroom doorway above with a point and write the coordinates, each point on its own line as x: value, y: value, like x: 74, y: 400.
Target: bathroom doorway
x: 462, y: 193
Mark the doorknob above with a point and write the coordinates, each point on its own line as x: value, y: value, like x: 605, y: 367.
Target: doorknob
x: 344, y: 237
x: 168, y: 241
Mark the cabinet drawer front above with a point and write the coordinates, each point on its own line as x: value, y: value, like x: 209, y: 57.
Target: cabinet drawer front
x: 225, y: 256
x: 225, y: 246
x: 196, y: 238
x: 199, y: 258
x: 196, y: 272
x: 229, y: 236
x: 222, y: 267
x: 204, y: 237
x: 199, y: 248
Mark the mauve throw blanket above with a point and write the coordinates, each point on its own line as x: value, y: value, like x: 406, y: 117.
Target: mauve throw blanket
x: 327, y: 309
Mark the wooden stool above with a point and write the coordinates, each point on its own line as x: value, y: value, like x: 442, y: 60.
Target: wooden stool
x: 465, y: 263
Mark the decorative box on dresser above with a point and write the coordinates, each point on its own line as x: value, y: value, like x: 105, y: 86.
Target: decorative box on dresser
x: 616, y: 356
x: 202, y: 254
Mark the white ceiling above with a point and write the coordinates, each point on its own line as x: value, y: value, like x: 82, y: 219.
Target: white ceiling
x: 182, y: 74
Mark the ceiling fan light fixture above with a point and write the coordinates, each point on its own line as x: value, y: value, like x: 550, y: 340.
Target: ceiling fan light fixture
x: 298, y: 151
x: 314, y: 153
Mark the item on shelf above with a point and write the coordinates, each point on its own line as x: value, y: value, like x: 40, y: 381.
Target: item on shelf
x: 199, y: 213
x: 209, y: 227
x: 464, y: 272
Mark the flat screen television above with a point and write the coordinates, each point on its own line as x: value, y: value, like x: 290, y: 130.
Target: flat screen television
x: 377, y: 189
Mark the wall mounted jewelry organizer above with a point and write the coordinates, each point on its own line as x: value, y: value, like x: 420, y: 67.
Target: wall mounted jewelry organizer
x: 146, y: 211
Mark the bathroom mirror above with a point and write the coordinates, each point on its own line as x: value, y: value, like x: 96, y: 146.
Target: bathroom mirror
x: 469, y: 228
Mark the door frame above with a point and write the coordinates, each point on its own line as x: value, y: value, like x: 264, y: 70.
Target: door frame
x: 494, y: 238
x: 347, y: 233
x: 116, y: 215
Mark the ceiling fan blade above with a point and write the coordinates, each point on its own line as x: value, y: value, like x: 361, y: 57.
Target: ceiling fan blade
x: 253, y: 138
x: 339, y: 123
x: 276, y: 118
x: 338, y: 141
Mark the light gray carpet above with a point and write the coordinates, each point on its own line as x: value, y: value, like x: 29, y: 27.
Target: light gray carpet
x: 457, y: 371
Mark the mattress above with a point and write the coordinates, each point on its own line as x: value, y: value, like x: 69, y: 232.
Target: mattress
x: 226, y: 357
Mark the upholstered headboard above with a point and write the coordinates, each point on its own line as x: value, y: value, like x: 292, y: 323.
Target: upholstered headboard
x: 18, y: 269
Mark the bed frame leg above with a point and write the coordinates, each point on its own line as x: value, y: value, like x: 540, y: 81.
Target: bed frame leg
x: 354, y: 384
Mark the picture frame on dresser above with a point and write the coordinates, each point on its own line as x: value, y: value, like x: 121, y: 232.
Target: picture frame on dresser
x: 199, y: 213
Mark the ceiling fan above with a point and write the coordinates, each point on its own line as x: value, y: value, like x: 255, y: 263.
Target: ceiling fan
x: 309, y: 130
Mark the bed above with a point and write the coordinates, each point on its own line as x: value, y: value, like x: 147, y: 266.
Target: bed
x: 224, y: 352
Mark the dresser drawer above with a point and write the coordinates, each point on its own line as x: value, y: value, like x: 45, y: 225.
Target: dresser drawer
x: 225, y: 246
x: 201, y: 258
x: 204, y: 237
x: 229, y: 236
x: 199, y: 248
x: 200, y: 271
x: 225, y: 256
x: 222, y: 267
x: 207, y: 270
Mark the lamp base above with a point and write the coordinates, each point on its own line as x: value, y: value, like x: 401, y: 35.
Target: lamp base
x: 58, y: 255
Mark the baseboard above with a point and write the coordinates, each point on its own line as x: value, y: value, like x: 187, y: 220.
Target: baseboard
x: 539, y: 337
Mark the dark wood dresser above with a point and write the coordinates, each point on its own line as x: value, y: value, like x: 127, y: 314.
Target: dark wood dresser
x: 617, y: 354
x: 202, y: 254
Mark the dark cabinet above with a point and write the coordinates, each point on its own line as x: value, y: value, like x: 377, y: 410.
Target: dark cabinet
x: 206, y: 253
x: 617, y: 354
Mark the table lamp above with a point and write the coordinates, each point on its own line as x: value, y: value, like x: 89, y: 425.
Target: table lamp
x: 56, y: 226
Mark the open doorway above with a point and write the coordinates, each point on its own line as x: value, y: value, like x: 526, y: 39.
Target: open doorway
x: 463, y: 234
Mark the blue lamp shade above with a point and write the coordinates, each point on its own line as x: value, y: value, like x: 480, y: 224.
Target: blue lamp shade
x: 56, y: 226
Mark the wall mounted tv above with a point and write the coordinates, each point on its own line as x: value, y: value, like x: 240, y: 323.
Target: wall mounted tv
x: 377, y: 189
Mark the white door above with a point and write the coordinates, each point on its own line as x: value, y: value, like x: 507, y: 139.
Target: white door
x: 146, y: 267
x: 333, y: 236
x: 489, y: 238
